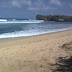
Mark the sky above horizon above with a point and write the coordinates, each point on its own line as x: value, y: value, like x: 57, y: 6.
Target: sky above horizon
x: 30, y: 8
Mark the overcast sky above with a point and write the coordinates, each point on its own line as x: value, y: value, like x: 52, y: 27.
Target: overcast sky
x: 30, y: 8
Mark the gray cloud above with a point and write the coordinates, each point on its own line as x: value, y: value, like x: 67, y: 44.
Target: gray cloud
x: 70, y: 5
x: 37, y: 5
x: 15, y: 3
x: 55, y: 2
x: 20, y: 3
x: 40, y: 5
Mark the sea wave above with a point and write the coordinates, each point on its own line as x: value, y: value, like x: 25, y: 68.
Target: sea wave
x: 27, y: 33
x: 3, y: 20
x: 20, y: 21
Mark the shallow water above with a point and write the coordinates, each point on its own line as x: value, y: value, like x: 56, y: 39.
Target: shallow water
x: 18, y: 28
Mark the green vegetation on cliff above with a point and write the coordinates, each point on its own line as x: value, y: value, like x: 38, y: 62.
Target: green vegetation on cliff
x: 56, y: 18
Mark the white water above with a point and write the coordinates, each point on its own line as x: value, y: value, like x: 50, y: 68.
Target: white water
x: 27, y: 33
x: 10, y: 28
x: 2, y: 21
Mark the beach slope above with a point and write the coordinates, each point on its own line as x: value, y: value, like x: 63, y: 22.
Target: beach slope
x: 33, y: 54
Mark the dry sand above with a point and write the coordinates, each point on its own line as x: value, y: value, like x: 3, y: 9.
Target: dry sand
x: 33, y: 54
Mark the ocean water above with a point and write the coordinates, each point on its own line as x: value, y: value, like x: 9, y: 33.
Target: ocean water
x: 10, y: 28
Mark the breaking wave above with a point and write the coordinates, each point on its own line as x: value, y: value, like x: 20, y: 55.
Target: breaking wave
x: 4, y: 21
x: 27, y: 33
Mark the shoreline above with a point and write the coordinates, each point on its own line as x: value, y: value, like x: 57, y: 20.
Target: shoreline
x: 14, y: 38
x: 35, y: 53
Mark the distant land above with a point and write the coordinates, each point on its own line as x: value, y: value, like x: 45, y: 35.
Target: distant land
x: 56, y: 18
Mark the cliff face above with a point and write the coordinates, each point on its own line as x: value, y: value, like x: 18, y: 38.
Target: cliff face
x: 56, y: 18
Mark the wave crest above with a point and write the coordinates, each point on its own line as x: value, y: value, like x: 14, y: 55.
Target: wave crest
x: 2, y: 20
x: 20, y: 21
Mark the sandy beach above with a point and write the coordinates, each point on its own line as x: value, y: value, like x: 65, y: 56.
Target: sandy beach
x: 33, y: 54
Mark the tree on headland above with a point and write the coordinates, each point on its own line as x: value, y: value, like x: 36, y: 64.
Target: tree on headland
x: 56, y: 18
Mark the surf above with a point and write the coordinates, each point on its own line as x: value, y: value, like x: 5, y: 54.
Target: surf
x: 4, y: 21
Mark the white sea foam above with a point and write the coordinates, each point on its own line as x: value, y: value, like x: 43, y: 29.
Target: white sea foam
x: 27, y: 33
x: 3, y: 20
x: 21, y: 21
x: 13, y: 19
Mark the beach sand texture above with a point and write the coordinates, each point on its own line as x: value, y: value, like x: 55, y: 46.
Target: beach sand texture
x: 33, y: 54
